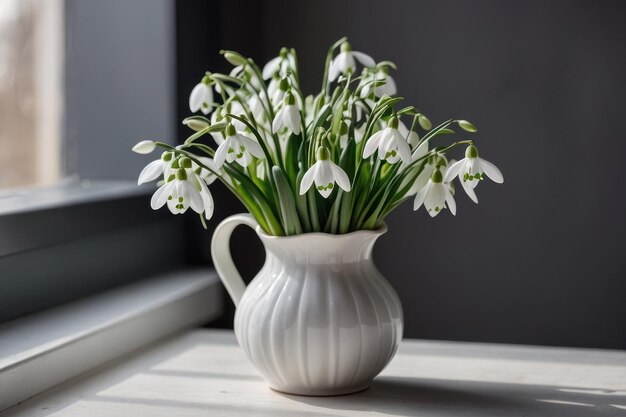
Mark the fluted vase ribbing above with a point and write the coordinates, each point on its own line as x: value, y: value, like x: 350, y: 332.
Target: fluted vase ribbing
x: 319, y: 318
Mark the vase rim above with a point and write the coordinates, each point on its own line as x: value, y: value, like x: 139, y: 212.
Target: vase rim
x: 380, y: 230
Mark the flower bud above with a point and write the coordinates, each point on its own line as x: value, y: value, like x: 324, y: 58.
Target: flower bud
x: 196, y: 123
x: 346, y: 47
x: 393, y: 122
x: 424, y: 122
x: 467, y: 126
x: 283, y: 52
x: 144, y: 147
x: 234, y: 58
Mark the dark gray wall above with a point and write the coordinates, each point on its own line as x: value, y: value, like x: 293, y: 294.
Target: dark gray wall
x: 540, y: 260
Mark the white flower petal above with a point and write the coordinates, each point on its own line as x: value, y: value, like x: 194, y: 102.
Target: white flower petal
x: 364, y: 59
x: 271, y: 67
x: 222, y: 152
x: 469, y: 191
x: 404, y: 150
x: 334, y: 70
x: 293, y: 119
x: 341, y: 178
x: 209, y: 205
x: 252, y: 147
x: 450, y: 200
x: 491, y: 170
x: 144, y: 147
x: 278, y: 120
x: 307, y: 179
x: 372, y: 144
x: 421, y: 196
x: 191, y: 196
x: 159, y: 198
x: 151, y: 172
x: 454, y: 170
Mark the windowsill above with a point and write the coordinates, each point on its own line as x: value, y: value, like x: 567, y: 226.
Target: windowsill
x: 31, y: 218
x: 70, y: 193
x: 45, y: 349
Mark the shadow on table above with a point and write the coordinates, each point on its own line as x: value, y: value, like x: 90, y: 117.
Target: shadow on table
x: 431, y: 397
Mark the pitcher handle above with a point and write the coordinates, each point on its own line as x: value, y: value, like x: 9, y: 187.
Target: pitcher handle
x: 222, y: 258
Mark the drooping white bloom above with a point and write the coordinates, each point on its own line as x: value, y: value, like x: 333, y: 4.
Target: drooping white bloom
x: 279, y: 93
x: 471, y: 170
x: 279, y: 65
x: 345, y: 62
x: 200, y: 178
x: 436, y: 195
x: 390, y: 143
x: 179, y: 195
x: 237, y: 147
x: 255, y: 103
x: 201, y: 97
x: 380, y: 82
x: 324, y: 173
x: 155, y: 169
x: 144, y: 147
x: 343, y: 133
x: 288, y: 116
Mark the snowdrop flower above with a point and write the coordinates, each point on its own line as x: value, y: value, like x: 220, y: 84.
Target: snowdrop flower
x: 155, y: 169
x: 144, y: 147
x: 431, y: 164
x: 389, y: 88
x: 237, y: 147
x: 325, y: 173
x: 278, y: 65
x: 201, y: 97
x: 200, y: 178
x: 255, y: 103
x: 436, y: 195
x: 390, y: 143
x: 379, y: 75
x: 279, y: 94
x: 288, y: 116
x: 179, y: 195
x: 343, y: 134
x: 344, y: 62
x: 471, y: 170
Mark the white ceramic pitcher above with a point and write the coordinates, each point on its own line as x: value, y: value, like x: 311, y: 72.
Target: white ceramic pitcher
x: 319, y: 318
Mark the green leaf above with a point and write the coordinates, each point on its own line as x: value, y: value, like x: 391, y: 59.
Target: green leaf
x: 467, y: 126
x: 301, y: 205
x: 291, y: 157
x: 289, y: 214
x: 348, y: 158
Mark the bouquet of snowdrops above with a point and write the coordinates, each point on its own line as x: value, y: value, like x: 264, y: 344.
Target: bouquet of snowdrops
x: 336, y: 162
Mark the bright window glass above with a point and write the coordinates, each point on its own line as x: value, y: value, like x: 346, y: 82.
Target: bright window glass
x: 31, y: 85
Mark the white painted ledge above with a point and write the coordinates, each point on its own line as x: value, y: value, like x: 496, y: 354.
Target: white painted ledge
x: 45, y: 349
x: 205, y: 373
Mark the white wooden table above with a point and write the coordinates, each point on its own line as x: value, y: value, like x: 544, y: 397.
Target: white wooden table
x: 204, y: 373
